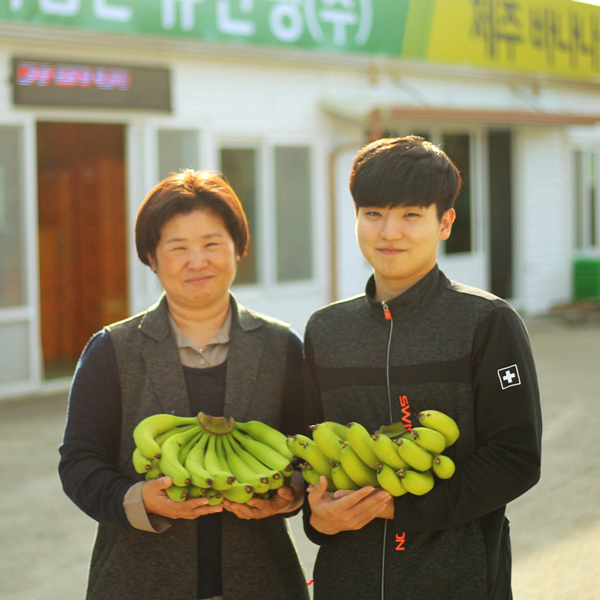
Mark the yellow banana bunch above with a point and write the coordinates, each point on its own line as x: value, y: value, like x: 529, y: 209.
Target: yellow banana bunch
x: 393, y: 458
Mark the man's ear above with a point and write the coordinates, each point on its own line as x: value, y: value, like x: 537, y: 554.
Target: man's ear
x: 446, y: 224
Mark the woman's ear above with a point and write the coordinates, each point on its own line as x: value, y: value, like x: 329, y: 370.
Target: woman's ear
x: 151, y: 261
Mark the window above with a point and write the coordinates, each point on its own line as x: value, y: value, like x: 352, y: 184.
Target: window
x: 293, y: 209
x: 587, y: 221
x: 457, y: 147
x: 238, y: 166
x: 12, y: 280
x: 177, y: 149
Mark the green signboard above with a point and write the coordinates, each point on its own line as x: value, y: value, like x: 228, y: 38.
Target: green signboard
x: 370, y: 26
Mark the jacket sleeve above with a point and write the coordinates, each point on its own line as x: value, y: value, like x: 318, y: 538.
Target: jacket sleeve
x: 91, y: 440
x: 508, y: 429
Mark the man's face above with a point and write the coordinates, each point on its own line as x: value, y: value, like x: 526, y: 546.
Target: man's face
x: 401, y: 244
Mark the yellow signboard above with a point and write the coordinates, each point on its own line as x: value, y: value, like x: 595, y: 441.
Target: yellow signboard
x: 548, y: 36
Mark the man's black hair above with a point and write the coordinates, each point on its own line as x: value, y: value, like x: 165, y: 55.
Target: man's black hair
x: 408, y: 171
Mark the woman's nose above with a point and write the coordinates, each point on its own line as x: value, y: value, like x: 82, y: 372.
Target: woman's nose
x: 197, y: 259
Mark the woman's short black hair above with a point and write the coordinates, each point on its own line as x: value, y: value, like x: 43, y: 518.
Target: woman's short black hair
x: 407, y: 171
x: 182, y: 193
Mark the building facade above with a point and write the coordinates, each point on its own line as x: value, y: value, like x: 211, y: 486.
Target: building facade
x: 100, y: 99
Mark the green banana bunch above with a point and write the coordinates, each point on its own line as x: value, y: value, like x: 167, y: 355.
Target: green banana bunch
x: 150, y: 427
x: 390, y: 481
x: 434, y: 419
x: 327, y: 441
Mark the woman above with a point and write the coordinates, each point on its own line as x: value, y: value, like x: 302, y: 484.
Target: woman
x: 196, y: 349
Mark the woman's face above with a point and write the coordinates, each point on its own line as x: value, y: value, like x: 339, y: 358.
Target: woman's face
x: 195, y: 260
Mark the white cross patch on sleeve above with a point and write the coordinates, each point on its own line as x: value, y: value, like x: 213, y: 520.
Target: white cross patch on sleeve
x: 509, y: 376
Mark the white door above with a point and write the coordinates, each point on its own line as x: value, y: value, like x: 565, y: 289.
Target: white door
x: 20, y: 356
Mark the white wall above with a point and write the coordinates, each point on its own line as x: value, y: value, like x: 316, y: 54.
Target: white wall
x: 542, y: 219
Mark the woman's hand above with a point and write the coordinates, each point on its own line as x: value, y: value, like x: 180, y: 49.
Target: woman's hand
x: 157, y: 502
x: 287, y: 499
x: 346, y: 510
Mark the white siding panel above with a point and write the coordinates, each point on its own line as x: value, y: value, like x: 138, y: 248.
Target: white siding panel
x: 543, y: 263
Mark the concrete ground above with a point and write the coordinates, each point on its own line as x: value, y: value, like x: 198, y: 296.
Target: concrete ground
x: 45, y: 540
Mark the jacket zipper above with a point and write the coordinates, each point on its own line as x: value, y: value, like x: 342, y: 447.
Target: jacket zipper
x: 387, y: 313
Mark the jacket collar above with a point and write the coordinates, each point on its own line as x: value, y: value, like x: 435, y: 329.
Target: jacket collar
x: 155, y: 322
x: 412, y: 301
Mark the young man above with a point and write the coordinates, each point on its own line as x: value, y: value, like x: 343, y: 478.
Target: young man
x: 417, y: 341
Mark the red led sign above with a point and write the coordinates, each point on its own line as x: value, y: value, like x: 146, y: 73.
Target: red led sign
x: 68, y: 84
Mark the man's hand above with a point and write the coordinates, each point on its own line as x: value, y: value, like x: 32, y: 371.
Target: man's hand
x: 157, y: 502
x: 287, y: 499
x: 345, y: 510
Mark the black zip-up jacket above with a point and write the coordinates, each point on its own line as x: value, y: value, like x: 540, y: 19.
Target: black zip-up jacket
x: 458, y: 350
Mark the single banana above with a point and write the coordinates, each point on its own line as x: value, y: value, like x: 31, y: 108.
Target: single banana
x: 169, y: 460
x: 150, y: 427
x: 241, y: 471
x: 154, y: 472
x: 394, y: 430
x: 387, y: 452
x: 429, y: 439
x: 141, y: 463
x: 356, y: 469
x: 214, y: 497
x: 239, y: 493
x: 443, y: 466
x: 267, y: 435
x: 340, y: 478
x: 194, y: 463
x: 165, y: 435
x: 327, y: 441
x: 185, y: 450
x: 196, y: 492
x: 389, y: 481
x: 310, y: 475
x: 340, y: 430
x: 434, y: 419
x: 296, y: 444
x: 362, y: 442
x: 415, y: 482
x: 319, y: 461
x: 221, y: 478
x: 177, y: 493
x: 414, y: 455
x: 275, y: 477
x: 264, y: 453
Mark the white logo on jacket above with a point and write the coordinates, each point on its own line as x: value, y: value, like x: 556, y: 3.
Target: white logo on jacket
x: 509, y: 376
